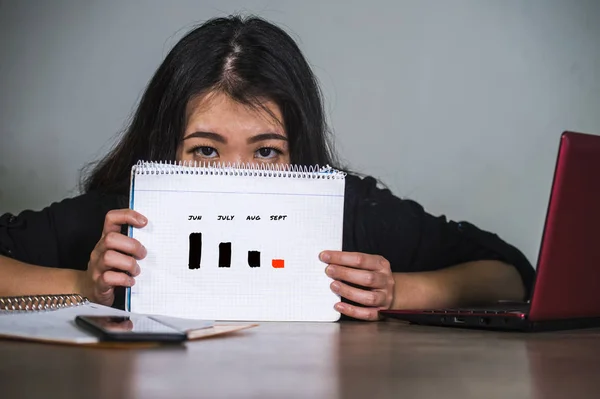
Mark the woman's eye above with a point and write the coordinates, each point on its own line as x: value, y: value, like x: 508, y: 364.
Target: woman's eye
x: 205, y: 151
x: 267, y: 152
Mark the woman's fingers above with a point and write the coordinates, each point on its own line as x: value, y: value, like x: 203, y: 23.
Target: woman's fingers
x: 364, y: 278
x: 358, y: 312
x: 122, y: 243
x: 110, y: 279
x: 370, y: 298
x: 118, y: 217
x: 355, y: 260
x: 113, y: 260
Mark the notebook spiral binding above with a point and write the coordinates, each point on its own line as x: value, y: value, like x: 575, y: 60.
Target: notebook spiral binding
x: 240, y: 169
x: 33, y: 303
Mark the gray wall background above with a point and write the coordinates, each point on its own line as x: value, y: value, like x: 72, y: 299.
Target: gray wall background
x: 456, y: 104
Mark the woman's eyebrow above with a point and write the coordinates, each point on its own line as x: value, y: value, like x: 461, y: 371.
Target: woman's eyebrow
x: 266, y: 136
x: 206, y: 135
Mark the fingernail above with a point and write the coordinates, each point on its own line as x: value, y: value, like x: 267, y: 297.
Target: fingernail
x: 131, y: 282
x: 142, y: 220
x: 144, y: 252
x: 325, y: 257
x: 335, y: 287
x: 339, y: 307
x: 329, y: 270
x: 138, y: 270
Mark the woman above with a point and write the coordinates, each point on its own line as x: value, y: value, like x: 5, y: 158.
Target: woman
x: 239, y: 90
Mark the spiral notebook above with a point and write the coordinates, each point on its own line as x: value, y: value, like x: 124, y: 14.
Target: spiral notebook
x: 237, y: 242
x: 51, y: 318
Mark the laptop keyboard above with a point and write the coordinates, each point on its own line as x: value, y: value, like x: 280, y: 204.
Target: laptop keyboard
x: 495, y: 309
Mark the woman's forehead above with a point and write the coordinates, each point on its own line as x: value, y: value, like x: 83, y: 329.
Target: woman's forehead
x: 217, y: 110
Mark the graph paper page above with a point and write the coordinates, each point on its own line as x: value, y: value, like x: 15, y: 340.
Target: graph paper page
x: 237, y: 247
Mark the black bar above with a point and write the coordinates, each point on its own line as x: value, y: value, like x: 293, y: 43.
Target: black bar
x: 195, y: 250
x: 225, y: 254
x: 254, y: 258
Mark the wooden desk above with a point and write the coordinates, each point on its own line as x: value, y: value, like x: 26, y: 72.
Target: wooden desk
x: 342, y: 360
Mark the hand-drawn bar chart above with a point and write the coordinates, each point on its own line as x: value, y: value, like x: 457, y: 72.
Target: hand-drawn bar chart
x: 225, y: 248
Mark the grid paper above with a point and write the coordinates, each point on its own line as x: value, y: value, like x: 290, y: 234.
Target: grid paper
x: 298, y: 292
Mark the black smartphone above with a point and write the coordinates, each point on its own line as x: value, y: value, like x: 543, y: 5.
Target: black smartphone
x: 132, y: 328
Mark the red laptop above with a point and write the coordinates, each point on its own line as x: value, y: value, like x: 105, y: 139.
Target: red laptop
x: 566, y: 293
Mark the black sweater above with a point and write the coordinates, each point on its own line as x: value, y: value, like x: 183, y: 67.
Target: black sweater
x: 375, y: 222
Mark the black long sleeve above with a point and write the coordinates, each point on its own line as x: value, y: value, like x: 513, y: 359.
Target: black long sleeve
x: 375, y: 222
x: 412, y: 240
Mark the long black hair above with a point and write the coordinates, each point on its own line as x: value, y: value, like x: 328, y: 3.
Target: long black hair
x: 248, y: 59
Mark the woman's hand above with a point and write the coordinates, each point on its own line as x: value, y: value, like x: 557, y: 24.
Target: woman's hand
x: 113, y: 262
x: 371, y: 278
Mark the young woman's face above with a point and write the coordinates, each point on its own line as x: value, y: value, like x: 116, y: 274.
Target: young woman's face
x: 221, y: 130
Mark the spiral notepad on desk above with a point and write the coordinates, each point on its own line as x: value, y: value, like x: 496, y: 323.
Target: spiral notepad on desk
x: 236, y: 242
x: 51, y: 319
